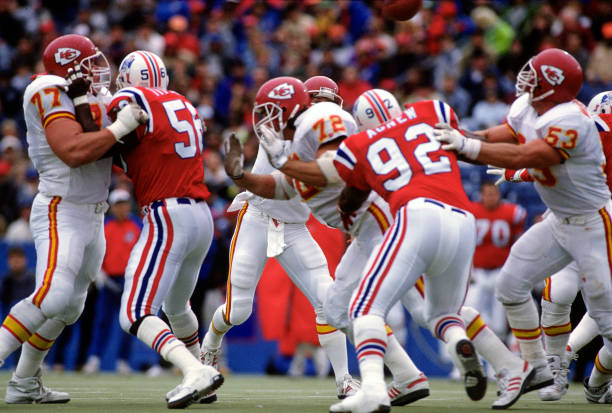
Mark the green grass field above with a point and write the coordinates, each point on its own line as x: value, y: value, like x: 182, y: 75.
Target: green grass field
x: 110, y: 393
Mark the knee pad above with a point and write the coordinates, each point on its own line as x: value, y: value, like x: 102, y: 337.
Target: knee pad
x: 124, y: 322
x: 335, y: 308
x: 506, y: 291
x: 240, y: 310
x: 554, y: 314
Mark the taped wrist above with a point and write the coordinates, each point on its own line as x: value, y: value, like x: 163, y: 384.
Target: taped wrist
x: 471, y: 148
x: 119, y: 130
x: 326, y: 165
x: 80, y: 100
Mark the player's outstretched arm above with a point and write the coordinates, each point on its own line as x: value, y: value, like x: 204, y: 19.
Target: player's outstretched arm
x: 534, y: 154
x: 495, y: 134
x: 266, y: 186
x: 76, y: 147
x: 319, y: 172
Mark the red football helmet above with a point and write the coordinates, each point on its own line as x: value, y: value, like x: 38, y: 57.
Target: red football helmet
x: 278, y: 101
x: 65, y: 51
x: 553, y: 75
x: 323, y: 87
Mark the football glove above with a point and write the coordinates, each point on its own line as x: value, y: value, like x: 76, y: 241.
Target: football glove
x: 128, y: 118
x: 274, y: 146
x: 347, y: 218
x: 509, y: 175
x: 77, y: 85
x: 453, y: 140
x: 234, y: 158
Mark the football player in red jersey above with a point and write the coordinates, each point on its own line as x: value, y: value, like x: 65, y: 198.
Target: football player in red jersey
x: 498, y: 225
x: 403, y: 163
x: 164, y: 161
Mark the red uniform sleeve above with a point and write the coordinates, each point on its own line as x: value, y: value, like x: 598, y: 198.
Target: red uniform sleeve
x: 345, y: 162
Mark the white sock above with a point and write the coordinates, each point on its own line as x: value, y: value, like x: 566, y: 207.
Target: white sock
x: 583, y: 334
x: 185, y: 328
x: 602, y: 370
x: 487, y: 343
x: 525, y: 325
x: 448, y: 328
x: 216, y: 331
x: 398, y: 361
x: 156, y: 334
x: 23, y: 320
x: 36, y: 348
x: 556, y: 326
x: 333, y: 342
x: 371, y: 345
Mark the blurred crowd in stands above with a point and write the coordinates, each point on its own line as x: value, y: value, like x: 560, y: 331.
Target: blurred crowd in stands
x: 218, y: 52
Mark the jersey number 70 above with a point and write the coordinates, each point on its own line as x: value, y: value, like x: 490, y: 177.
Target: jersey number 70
x: 394, y: 160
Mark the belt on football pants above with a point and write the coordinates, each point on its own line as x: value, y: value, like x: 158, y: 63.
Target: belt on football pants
x: 170, y: 202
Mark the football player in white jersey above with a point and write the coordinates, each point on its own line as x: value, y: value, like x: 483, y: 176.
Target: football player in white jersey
x: 68, y: 211
x: 561, y: 150
x: 561, y: 288
x: 276, y: 228
x: 317, y: 129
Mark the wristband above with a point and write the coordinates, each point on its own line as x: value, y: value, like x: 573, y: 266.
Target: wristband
x: 471, y: 148
x: 80, y: 100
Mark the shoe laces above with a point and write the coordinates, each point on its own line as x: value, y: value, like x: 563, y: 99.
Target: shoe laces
x: 209, y: 357
x: 502, y: 381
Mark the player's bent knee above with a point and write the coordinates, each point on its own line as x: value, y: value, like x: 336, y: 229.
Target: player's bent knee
x: 240, y: 311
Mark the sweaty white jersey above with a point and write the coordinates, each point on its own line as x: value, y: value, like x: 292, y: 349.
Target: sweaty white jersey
x: 321, y: 123
x: 291, y: 211
x: 577, y: 185
x: 45, y: 100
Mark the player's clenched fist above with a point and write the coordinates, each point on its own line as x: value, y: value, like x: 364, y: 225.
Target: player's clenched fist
x: 234, y: 158
x: 128, y: 119
x: 77, y: 85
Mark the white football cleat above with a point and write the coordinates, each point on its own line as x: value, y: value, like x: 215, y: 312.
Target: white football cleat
x: 362, y: 402
x: 195, y: 384
x: 408, y: 391
x: 347, y: 387
x: 28, y: 390
x: 210, y: 357
x: 511, y: 384
x: 474, y: 377
x: 559, y: 371
x: 600, y: 395
x: 542, y: 378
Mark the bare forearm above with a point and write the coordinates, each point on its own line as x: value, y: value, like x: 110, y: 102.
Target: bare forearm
x: 90, y: 146
x: 262, y: 185
x: 307, y: 172
x: 509, y: 156
x: 496, y: 134
x: 85, y: 119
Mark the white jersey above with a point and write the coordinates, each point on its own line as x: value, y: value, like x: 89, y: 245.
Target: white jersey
x: 321, y: 123
x: 291, y: 211
x: 45, y: 100
x: 577, y: 185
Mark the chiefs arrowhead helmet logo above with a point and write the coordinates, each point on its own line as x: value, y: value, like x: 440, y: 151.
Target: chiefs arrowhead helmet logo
x: 65, y: 55
x: 553, y: 75
x: 284, y: 91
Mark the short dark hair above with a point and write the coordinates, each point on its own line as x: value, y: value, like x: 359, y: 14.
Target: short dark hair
x: 15, y: 250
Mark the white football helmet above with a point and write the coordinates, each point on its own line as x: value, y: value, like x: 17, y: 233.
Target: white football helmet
x: 601, y: 103
x: 142, y: 68
x: 374, y: 107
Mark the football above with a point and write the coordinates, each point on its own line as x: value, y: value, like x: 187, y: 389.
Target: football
x: 400, y: 9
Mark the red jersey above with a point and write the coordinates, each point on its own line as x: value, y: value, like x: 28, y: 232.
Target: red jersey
x: 495, y: 232
x: 167, y: 162
x: 604, y: 126
x: 401, y: 159
x: 120, y: 238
